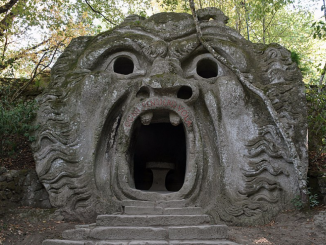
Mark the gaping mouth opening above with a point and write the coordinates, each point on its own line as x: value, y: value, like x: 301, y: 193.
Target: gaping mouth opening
x: 159, y: 155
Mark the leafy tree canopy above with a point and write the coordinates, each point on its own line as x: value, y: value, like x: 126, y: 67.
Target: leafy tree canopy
x: 34, y: 32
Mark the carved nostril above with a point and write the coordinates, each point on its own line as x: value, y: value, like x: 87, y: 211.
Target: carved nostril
x: 143, y: 93
x: 184, y: 92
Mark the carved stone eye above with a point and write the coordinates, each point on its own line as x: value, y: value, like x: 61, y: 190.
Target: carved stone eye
x: 123, y: 65
x: 207, y: 68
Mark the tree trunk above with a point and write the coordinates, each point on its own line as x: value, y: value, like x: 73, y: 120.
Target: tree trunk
x: 322, y: 78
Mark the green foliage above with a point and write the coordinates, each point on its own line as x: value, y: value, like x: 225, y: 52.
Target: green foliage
x: 316, y: 98
x: 313, y: 201
x: 174, y: 5
x: 319, y: 29
x: 261, y: 8
x: 15, y: 120
x: 35, y: 27
x: 295, y: 57
x: 297, y: 203
x: 303, y: 66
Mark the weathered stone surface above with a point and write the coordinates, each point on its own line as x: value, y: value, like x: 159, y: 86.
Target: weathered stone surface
x: 151, y: 220
x: 148, y: 229
x: 62, y: 242
x: 76, y: 234
x: 128, y: 233
x: 143, y: 210
x: 172, y: 242
x: 34, y: 193
x: 185, y: 211
x: 200, y: 242
x: 198, y: 232
x: 107, y: 243
x: 159, y: 203
x: 148, y: 91
x: 21, y: 187
x: 149, y: 243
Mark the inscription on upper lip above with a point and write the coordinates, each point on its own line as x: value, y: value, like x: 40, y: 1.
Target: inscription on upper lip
x: 160, y: 103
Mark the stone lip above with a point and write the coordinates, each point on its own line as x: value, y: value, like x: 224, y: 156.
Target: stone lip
x: 159, y: 103
x: 186, y: 114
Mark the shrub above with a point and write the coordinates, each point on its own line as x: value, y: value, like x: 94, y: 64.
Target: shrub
x: 15, y: 120
x: 316, y: 119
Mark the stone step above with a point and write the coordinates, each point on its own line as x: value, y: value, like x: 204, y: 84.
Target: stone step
x: 116, y: 233
x: 140, y: 242
x: 151, y: 220
x: 135, y: 210
x: 126, y: 233
x: 201, y: 242
x: 162, y: 204
x: 206, y: 232
x: 183, y: 211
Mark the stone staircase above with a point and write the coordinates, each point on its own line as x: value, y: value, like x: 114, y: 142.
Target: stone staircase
x: 148, y: 223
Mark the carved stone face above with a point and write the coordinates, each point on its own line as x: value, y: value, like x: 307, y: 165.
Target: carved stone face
x: 145, y: 112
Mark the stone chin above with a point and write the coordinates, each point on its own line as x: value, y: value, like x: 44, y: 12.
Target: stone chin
x: 144, y: 113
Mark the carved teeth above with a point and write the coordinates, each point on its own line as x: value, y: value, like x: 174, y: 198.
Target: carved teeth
x: 146, y: 118
x: 174, y: 119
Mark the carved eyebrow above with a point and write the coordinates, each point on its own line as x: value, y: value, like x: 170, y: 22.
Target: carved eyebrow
x: 231, y: 51
x: 183, y: 47
x: 101, y: 48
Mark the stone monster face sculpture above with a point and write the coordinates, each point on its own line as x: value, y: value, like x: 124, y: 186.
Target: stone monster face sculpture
x: 145, y: 112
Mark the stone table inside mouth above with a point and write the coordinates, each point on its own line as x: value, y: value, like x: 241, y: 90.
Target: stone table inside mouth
x: 160, y: 170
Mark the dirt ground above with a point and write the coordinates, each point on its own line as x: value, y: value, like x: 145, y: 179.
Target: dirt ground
x: 30, y: 226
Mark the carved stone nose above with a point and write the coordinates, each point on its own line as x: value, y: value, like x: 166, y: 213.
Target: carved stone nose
x: 166, y: 66
x: 166, y: 80
x: 184, y: 92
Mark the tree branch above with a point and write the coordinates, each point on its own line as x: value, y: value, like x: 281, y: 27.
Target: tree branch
x: 4, y: 65
x: 98, y: 12
x: 5, y: 46
x: 7, y: 6
x: 5, y: 23
x: 35, y: 72
x: 271, y: 20
x: 322, y: 76
x: 22, y: 88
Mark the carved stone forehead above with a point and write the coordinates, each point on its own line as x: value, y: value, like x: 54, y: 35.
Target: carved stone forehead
x: 165, y: 34
x: 170, y: 26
